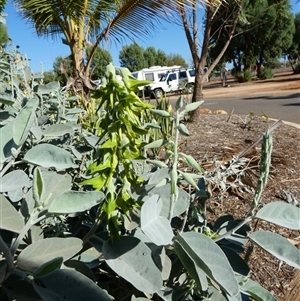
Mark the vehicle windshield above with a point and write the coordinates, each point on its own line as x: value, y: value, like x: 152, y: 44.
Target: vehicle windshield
x: 164, y: 77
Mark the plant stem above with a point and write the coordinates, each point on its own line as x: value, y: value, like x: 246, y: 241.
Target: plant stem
x: 174, y: 175
x: 32, y: 221
x: 6, y: 168
x: 91, y: 231
x: 229, y: 233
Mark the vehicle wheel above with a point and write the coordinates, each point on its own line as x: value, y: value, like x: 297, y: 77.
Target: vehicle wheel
x: 190, y: 88
x: 158, y: 93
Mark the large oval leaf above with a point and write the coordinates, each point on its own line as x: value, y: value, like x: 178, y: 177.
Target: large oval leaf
x: 68, y: 285
x: 14, y: 180
x: 256, y: 291
x: 278, y: 246
x: 155, y: 226
x: 131, y: 259
x: 211, y: 259
x: 45, y: 250
x: 10, y: 220
x: 56, y: 130
x: 48, y: 155
x: 282, y: 214
x: 75, y: 201
x: 15, y: 132
x: 194, y: 270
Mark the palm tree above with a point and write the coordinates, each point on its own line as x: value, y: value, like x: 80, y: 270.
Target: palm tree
x: 84, y: 23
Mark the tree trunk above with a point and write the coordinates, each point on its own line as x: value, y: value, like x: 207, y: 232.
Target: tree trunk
x: 79, y: 81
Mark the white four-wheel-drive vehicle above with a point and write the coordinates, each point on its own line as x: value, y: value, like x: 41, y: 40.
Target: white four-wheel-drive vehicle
x: 174, y: 80
x: 153, y: 74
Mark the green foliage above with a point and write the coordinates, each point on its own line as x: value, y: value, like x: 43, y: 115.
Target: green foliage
x: 161, y: 58
x: 49, y: 76
x: 2, y: 5
x: 58, y: 238
x: 135, y: 57
x: 293, y: 52
x: 100, y: 60
x: 132, y: 57
x: 150, y: 57
x: 120, y: 135
x: 247, y: 75
x: 264, y: 31
x: 176, y: 59
x: 266, y: 73
x: 3, y: 34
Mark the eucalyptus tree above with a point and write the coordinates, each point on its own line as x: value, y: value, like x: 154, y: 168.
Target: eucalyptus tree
x: 91, y: 22
x: 293, y: 52
x: 261, y: 38
x: 176, y: 59
x: 229, y: 13
x: 132, y: 57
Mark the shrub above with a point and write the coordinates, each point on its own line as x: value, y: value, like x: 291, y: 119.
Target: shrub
x: 266, y: 73
x: 247, y: 76
x: 238, y: 75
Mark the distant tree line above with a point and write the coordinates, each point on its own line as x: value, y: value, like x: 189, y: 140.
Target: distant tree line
x: 135, y: 57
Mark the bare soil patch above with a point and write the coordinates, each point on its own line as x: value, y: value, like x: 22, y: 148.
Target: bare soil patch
x: 282, y: 82
x: 214, y: 140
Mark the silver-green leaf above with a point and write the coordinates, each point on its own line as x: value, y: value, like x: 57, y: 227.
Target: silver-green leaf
x: 183, y: 130
x: 211, y: 259
x: 156, y: 143
x: 194, y: 270
x: 14, y: 180
x: 75, y: 201
x: 190, y: 161
x: 68, y: 285
x: 179, y: 103
x: 192, y: 106
x: 56, y: 130
x: 161, y: 113
x: 282, y: 214
x: 15, y: 132
x: 132, y: 260
x: 155, y: 226
x: 11, y: 219
x: 45, y: 250
x: 278, y: 246
x: 48, y: 155
x: 157, y: 163
x: 256, y: 291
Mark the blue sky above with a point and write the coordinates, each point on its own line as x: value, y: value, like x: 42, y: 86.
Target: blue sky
x: 169, y: 38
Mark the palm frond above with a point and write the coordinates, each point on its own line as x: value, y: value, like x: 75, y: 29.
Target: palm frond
x: 136, y: 18
x: 50, y: 17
